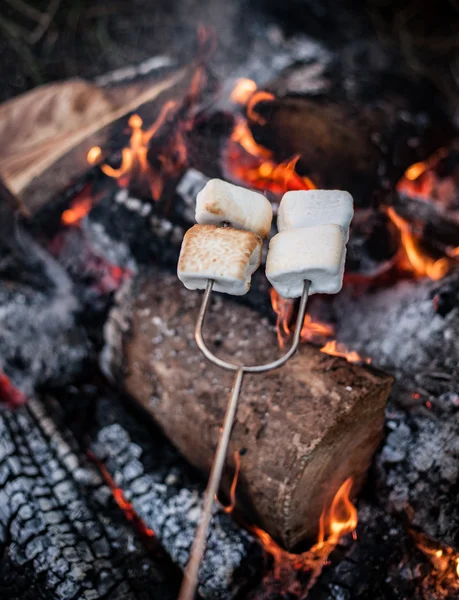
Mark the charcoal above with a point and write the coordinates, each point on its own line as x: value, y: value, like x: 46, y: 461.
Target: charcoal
x: 49, y: 479
x: 61, y: 534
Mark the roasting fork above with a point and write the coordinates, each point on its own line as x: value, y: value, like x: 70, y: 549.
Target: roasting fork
x: 190, y: 579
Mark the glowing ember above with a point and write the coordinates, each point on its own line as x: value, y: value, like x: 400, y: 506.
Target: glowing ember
x: 420, y: 263
x: 79, y: 208
x: 121, y: 501
x: 229, y: 509
x: 336, y: 349
x: 243, y: 91
x: 339, y: 520
x: 413, y: 172
x: 9, y: 394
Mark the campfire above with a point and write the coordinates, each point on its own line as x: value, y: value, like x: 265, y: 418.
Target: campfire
x: 342, y: 469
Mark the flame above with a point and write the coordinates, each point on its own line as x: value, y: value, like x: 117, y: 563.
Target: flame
x: 420, y: 179
x: 339, y: 520
x: 420, y: 263
x: 94, y: 155
x: 79, y: 208
x: 243, y: 91
x: 416, y: 170
x: 251, y: 163
x: 134, y: 160
x: 284, y: 311
x: 230, y: 507
x: 311, y: 331
x: 335, y: 348
x: 444, y: 560
x: 256, y: 98
x: 172, y: 158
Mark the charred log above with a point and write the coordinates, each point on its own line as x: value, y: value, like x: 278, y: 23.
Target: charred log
x: 61, y: 534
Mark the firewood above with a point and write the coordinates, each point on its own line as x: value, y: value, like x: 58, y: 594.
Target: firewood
x: 304, y: 428
x: 42, y: 126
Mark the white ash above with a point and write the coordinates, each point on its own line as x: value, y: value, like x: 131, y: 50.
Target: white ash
x: 168, y: 500
x: 114, y: 251
x: 60, y: 530
x: 40, y: 340
x: 132, y: 71
x: 412, y: 330
x: 418, y: 469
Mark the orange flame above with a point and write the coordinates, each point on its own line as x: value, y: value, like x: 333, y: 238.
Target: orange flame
x: 416, y: 170
x: 311, y: 331
x: 134, y: 163
x: 337, y: 349
x: 230, y: 507
x: 445, y: 561
x: 419, y: 179
x: 243, y: 91
x: 256, y: 98
x: 172, y: 158
x: 336, y: 522
x: 248, y: 161
x: 341, y: 519
x: 94, y: 155
x: 79, y: 208
x: 420, y: 263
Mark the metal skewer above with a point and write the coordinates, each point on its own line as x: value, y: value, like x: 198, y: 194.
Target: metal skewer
x: 190, y: 579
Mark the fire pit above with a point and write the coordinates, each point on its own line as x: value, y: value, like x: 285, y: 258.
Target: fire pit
x: 341, y: 479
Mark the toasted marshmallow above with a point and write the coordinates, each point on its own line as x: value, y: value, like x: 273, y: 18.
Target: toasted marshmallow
x: 226, y: 255
x: 307, y: 208
x: 222, y: 202
x: 314, y: 253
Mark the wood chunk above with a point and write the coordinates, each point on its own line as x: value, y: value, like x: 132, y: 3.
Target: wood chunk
x: 305, y: 428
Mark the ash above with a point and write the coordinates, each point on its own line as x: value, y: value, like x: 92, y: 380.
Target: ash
x: 40, y: 341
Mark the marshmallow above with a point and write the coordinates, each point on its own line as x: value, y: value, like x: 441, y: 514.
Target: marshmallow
x: 226, y: 255
x: 300, y: 209
x: 220, y: 202
x: 314, y: 253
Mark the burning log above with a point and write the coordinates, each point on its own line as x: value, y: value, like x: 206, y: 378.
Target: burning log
x: 303, y: 429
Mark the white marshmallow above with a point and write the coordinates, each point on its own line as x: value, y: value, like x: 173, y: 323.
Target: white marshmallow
x: 220, y: 201
x: 307, y: 208
x: 314, y: 253
x: 226, y: 255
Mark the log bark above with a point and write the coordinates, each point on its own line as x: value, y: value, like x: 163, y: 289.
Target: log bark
x: 304, y: 428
